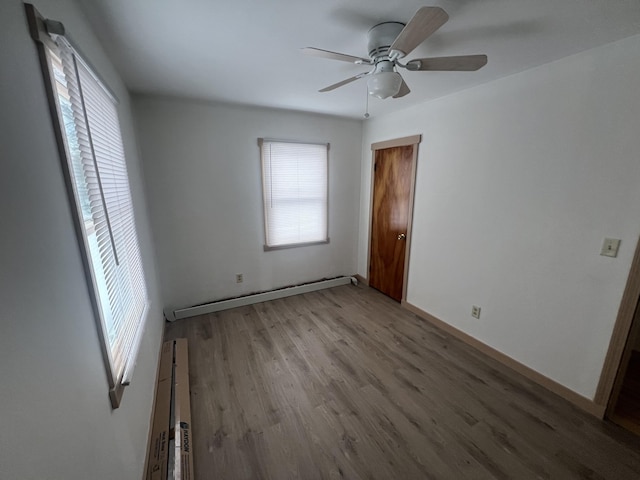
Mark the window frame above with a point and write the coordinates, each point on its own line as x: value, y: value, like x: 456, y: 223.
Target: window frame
x: 267, y: 247
x: 41, y: 30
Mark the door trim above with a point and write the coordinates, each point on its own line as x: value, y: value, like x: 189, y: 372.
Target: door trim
x: 397, y: 142
x: 414, y: 141
x: 619, y: 336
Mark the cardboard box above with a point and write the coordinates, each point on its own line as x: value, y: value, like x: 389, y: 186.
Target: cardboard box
x: 170, y: 450
x: 183, y: 469
x: 159, y: 444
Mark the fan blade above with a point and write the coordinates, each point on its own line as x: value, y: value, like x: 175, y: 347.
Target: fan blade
x: 425, y: 22
x: 344, y: 82
x: 461, y: 63
x: 317, y: 52
x: 404, y: 89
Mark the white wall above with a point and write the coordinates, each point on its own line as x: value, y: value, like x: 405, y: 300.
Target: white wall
x: 55, y: 412
x: 202, y: 168
x: 518, y: 182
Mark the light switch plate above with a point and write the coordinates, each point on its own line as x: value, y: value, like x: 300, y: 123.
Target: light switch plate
x: 610, y: 247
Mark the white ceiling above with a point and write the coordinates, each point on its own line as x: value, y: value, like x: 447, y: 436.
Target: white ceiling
x: 247, y: 51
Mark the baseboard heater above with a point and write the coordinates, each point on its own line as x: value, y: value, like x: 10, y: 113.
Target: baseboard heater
x: 219, y: 305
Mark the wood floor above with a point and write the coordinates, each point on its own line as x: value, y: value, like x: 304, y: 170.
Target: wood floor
x: 627, y: 412
x: 343, y: 383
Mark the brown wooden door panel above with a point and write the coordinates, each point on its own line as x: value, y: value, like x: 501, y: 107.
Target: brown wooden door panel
x: 390, y: 216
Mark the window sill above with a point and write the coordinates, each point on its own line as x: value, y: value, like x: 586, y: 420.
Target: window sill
x: 268, y: 248
x: 115, y: 395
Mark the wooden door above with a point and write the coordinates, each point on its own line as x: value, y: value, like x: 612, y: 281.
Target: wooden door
x: 624, y: 403
x: 390, y: 219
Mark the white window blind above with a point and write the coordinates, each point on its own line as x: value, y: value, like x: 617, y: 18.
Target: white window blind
x: 295, y: 191
x: 98, y: 174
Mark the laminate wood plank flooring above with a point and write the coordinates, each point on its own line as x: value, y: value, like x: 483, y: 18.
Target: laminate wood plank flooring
x: 344, y: 383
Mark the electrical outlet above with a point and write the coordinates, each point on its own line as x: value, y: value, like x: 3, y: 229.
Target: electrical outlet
x: 475, y: 311
x: 239, y: 278
x: 610, y: 247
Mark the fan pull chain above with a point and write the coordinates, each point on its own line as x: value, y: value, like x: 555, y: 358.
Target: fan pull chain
x: 366, y: 113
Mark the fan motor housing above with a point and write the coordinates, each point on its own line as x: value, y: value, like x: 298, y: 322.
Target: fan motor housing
x: 381, y: 37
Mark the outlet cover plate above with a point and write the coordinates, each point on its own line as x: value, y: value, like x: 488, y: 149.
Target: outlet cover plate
x: 475, y: 311
x: 610, y: 247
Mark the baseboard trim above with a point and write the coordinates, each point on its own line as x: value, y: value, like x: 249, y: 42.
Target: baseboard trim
x: 254, y: 298
x: 578, y: 400
x: 361, y: 279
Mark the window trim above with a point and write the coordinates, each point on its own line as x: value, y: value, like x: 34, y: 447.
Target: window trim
x: 41, y: 30
x: 269, y: 248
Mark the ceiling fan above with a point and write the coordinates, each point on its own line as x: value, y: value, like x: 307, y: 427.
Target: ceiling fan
x: 388, y: 42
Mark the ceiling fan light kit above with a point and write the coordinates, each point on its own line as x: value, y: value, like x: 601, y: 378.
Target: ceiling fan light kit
x: 384, y: 84
x: 390, y: 41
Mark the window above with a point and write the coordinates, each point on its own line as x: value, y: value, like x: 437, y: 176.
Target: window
x: 295, y: 191
x: 90, y: 144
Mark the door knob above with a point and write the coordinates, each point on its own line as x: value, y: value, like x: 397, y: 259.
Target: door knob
x: 402, y: 236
